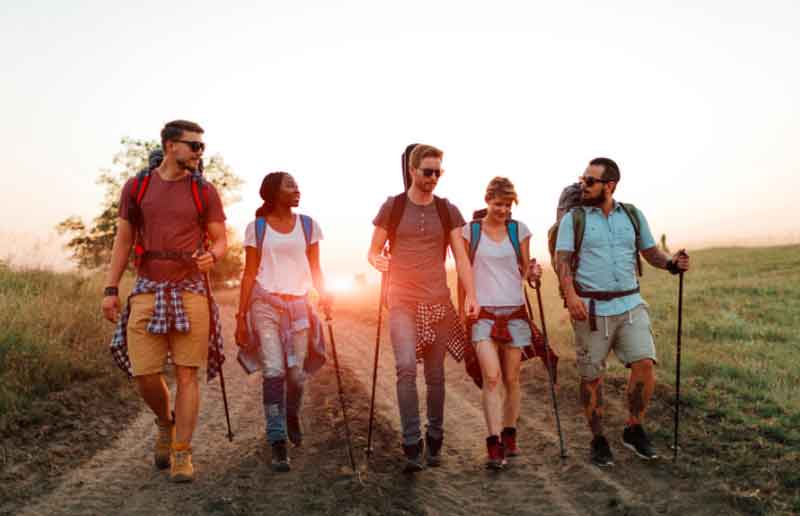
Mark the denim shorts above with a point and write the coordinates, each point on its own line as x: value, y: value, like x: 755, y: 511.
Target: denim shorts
x: 518, y: 328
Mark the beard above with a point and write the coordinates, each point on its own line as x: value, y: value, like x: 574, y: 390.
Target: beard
x: 185, y: 165
x: 594, y: 201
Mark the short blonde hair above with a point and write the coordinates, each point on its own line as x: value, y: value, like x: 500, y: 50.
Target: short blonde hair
x: 423, y: 151
x: 501, y: 187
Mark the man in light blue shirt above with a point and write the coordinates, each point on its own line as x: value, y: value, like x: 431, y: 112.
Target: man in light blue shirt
x: 601, y: 289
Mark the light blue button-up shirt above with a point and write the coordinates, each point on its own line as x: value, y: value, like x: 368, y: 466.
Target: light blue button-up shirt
x: 607, y: 260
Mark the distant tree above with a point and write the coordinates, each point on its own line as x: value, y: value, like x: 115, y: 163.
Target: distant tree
x: 90, y: 245
x: 664, y: 243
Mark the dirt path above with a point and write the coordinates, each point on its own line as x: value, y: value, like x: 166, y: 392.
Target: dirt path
x: 234, y: 478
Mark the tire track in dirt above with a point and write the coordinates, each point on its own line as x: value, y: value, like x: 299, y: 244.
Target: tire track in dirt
x: 234, y: 478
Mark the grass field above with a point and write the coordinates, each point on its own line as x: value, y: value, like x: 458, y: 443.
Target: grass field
x: 52, y: 335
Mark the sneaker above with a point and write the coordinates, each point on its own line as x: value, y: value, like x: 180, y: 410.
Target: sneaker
x: 433, y: 449
x: 496, y: 453
x: 280, y: 457
x: 182, y: 469
x: 634, y: 438
x: 414, y: 455
x: 601, y: 452
x: 294, y: 430
x: 509, y: 440
x: 162, y: 450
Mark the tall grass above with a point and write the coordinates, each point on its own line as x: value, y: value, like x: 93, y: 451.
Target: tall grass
x: 51, y: 335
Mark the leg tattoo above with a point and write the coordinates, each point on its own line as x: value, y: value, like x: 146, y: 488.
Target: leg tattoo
x: 592, y: 402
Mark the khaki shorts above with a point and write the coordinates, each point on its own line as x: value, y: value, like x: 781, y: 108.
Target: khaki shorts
x: 148, y: 352
x: 628, y: 334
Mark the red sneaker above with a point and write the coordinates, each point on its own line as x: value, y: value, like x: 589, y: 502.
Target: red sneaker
x: 509, y: 440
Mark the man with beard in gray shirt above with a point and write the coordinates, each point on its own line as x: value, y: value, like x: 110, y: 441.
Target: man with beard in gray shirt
x: 422, y: 321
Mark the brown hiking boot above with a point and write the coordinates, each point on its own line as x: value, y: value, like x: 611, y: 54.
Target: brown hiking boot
x: 182, y: 469
x: 163, y: 445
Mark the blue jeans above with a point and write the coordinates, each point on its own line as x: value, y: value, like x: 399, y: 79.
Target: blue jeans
x: 283, y: 393
x: 402, y: 328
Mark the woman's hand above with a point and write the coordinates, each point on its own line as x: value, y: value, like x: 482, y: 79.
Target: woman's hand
x: 534, y: 272
x: 242, y: 337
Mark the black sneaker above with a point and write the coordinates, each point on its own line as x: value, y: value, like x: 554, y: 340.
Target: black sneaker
x: 280, y: 457
x: 634, y: 438
x: 433, y: 451
x: 601, y: 453
x: 294, y: 429
x: 414, y: 455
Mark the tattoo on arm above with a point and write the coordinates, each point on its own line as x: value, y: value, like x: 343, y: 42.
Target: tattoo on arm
x: 656, y: 257
x: 564, y: 267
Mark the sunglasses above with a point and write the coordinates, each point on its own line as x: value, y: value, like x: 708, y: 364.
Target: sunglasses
x: 590, y: 181
x: 195, y: 146
x: 428, y: 172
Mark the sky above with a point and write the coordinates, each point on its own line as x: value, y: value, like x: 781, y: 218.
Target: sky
x: 697, y: 101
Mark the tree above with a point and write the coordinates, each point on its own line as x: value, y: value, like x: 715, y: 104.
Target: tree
x: 91, y: 245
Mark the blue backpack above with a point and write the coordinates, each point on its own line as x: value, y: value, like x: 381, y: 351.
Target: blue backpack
x: 512, y: 227
x: 261, y: 230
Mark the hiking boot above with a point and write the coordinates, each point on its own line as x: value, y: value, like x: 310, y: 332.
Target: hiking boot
x: 413, y: 455
x: 509, y: 439
x: 280, y: 457
x: 433, y: 451
x: 294, y: 430
x: 182, y: 469
x: 496, y: 453
x: 162, y: 450
x: 601, y: 453
x: 634, y: 438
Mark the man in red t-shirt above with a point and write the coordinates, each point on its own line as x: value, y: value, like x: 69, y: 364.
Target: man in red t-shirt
x: 168, y: 310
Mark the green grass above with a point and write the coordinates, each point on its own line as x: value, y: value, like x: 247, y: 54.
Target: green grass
x: 51, y: 335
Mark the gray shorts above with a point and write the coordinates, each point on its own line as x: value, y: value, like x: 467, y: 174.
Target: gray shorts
x: 628, y: 334
x: 518, y: 328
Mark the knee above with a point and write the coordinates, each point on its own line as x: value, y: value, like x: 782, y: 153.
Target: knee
x: 645, y: 366
x: 491, y: 380
x: 511, y: 381
x: 297, y: 375
x: 148, y: 381
x: 185, y: 376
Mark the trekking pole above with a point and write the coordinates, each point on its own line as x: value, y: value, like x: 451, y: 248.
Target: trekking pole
x: 207, y: 283
x: 678, y: 367
x: 329, y: 320
x: 375, y: 364
x: 550, y: 372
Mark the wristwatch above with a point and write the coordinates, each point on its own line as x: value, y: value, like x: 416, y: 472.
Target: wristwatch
x: 110, y: 291
x: 673, y: 267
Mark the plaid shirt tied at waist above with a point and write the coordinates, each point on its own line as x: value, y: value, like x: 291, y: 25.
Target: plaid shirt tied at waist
x: 427, y: 317
x: 168, y: 313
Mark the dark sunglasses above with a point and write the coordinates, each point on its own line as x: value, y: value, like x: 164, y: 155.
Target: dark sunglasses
x: 195, y: 146
x: 428, y: 172
x: 590, y: 181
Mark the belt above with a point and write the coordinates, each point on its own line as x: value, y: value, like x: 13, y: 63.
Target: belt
x: 600, y: 296
x: 179, y: 256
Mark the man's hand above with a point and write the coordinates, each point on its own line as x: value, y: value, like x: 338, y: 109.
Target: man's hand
x: 471, y: 307
x: 325, y: 304
x: 110, y: 307
x: 534, y: 272
x: 241, y: 335
x: 380, y: 262
x: 577, y: 310
x: 681, y: 259
x: 205, y: 260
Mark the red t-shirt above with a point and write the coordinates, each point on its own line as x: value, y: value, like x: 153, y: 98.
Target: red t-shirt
x: 170, y: 223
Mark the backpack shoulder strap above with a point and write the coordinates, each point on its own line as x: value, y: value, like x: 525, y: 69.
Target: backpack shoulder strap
x: 398, y: 207
x: 578, y: 229
x: 633, y: 215
x: 308, y: 228
x: 261, y: 231
x: 139, y: 187
x: 444, y: 218
x: 474, y: 238
x: 512, y: 226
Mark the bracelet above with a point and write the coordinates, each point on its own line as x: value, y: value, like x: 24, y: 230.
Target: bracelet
x: 110, y: 291
x: 672, y: 267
